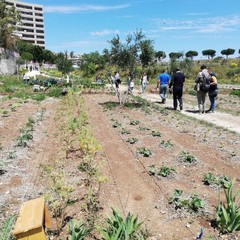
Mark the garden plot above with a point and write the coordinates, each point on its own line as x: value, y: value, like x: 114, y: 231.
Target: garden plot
x: 154, y: 162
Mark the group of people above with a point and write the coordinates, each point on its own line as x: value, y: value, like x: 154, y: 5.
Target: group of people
x: 205, y: 83
x: 115, y: 79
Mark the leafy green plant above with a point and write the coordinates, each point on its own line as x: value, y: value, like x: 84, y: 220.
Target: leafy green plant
x: 2, y: 167
x: 152, y: 169
x: 118, y: 228
x: 225, y: 182
x: 78, y: 231
x: 135, y: 122
x: 7, y: 225
x: 191, y: 204
x: 228, y: 214
x: 210, y: 179
x: 11, y: 155
x: 143, y: 128
x: 165, y: 171
x: 24, y: 137
x: 166, y: 144
x: 117, y: 125
x: 145, y: 151
x: 156, y: 134
x: 132, y: 140
x: 187, y: 157
x: 125, y: 131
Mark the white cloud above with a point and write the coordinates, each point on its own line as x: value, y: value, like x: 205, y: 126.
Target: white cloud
x: 200, y: 25
x: 105, y: 32
x: 83, y: 8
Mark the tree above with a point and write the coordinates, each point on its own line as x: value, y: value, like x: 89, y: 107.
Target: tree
x: 147, y: 52
x: 175, y: 55
x: 135, y: 49
x: 190, y: 54
x: 228, y: 52
x: 64, y: 65
x: 9, y: 18
x: 92, y: 62
x: 209, y: 53
x: 160, y: 55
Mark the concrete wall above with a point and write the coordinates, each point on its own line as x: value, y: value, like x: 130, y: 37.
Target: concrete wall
x: 8, y: 62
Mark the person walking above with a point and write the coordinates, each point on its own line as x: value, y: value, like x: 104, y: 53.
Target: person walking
x: 163, y: 82
x: 144, y: 81
x: 213, y: 91
x: 201, y: 92
x: 176, y: 82
x: 117, y: 79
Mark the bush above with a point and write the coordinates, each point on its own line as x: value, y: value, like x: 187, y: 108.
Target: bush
x: 235, y: 92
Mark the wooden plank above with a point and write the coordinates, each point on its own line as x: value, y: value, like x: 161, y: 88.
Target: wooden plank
x: 31, y: 216
x: 47, y: 218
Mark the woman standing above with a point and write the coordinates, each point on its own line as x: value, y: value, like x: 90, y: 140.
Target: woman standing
x: 213, y: 91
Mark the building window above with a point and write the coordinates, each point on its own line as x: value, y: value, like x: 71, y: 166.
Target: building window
x: 38, y: 14
x: 23, y: 6
x: 40, y: 42
x: 38, y: 9
x: 28, y: 36
x: 40, y: 31
x: 39, y: 20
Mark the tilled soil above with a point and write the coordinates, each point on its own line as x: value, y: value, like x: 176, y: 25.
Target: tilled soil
x: 129, y: 187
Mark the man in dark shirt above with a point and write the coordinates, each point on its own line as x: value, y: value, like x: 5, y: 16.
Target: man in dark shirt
x: 176, y: 83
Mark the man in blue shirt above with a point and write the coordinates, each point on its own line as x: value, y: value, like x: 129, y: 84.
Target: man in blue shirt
x: 163, y: 81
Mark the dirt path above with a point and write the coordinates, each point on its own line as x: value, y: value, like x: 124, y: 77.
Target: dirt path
x: 220, y: 119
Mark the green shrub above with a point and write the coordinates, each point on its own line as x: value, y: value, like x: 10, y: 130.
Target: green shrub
x: 228, y: 214
x: 39, y: 97
x: 54, y: 92
x: 7, y: 225
x: 121, y: 229
x: 78, y: 231
x: 235, y: 92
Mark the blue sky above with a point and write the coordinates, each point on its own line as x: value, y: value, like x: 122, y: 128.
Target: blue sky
x: 84, y: 26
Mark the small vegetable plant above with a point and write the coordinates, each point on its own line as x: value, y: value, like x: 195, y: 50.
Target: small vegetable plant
x: 187, y: 157
x: 156, y: 134
x: 210, y: 179
x: 191, y: 204
x: 166, y: 144
x: 145, y: 151
x: 143, y: 128
x: 132, y: 140
x: 117, y: 125
x: 134, y: 122
x: 125, y: 131
x: 162, y: 171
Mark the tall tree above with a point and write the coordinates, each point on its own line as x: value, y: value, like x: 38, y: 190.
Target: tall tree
x: 64, y: 65
x: 190, y: 54
x: 127, y: 54
x: 9, y: 19
x: 209, y: 53
x: 147, y: 52
x: 228, y: 52
x: 159, y: 55
x: 175, y: 55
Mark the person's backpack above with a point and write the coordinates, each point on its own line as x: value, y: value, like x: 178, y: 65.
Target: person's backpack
x: 205, y: 85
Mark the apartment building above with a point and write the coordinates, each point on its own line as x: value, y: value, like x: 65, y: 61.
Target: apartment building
x: 32, y: 22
